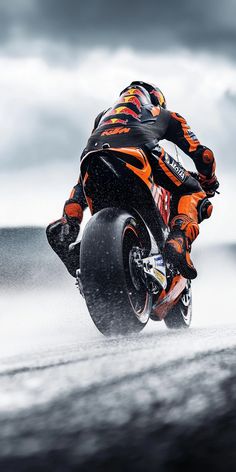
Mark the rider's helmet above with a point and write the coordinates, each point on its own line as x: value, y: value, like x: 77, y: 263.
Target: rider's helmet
x: 155, y: 94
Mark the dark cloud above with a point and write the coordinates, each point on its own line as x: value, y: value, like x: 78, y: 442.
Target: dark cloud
x: 62, y: 25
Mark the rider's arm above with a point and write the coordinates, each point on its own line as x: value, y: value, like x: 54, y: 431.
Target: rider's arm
x: 76, y: 204
x: 180, y: 133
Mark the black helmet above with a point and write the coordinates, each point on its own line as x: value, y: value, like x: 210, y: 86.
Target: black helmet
x: 155, y: 94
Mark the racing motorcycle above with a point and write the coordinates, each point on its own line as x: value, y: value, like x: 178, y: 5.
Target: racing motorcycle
x: 123, y: 275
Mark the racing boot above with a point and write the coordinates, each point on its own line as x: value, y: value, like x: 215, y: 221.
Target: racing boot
x: 178, y: 245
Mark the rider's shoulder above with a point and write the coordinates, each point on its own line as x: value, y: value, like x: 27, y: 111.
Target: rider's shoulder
x: 177, y: 116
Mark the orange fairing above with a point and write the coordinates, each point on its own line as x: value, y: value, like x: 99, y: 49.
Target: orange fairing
x: 170, y: 297
x: 146, y: 172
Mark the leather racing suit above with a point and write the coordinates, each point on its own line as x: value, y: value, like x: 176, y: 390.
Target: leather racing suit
x: 134, y: 122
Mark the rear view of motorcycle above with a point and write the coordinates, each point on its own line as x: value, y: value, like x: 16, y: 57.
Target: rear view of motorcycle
x: 123, y: 275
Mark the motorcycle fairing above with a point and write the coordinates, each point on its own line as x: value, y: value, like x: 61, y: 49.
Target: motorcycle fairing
x: 123, y: 177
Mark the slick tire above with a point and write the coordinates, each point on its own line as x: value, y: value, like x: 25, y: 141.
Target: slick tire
x: 118, y: 302
x: 180, y: 316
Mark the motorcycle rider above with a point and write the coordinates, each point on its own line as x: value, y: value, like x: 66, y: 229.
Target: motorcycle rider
x: 140, y: 119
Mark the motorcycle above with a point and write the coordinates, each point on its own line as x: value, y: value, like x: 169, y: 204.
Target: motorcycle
x: 123, y: 275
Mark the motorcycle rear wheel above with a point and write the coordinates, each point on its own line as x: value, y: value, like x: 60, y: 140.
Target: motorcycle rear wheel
x: 117, y: 300
x: 180, y: 316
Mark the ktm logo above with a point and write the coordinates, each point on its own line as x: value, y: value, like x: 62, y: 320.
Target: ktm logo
x: 119, y: 130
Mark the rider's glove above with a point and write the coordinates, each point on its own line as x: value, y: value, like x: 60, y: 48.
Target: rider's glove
x: 209, y: 185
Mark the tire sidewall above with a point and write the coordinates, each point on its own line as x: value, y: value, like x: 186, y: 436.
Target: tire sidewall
x: 103, y: 275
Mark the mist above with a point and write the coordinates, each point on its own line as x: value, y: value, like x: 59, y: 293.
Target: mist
x: 40, y: 304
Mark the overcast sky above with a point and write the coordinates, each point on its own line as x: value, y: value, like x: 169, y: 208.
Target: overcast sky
x: 61, y: 62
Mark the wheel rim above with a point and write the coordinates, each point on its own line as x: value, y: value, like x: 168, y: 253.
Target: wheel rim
x: 186, y: 301
x: 139, y: 297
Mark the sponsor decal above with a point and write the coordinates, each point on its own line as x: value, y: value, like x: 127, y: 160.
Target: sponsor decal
x: 159, y: 261
x: 192, y: 135
x: 110, y: 131
x: 114, y: 120
x: 176, y: 168
x: 160, y: 277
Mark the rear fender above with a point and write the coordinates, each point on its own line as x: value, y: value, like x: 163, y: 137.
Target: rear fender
x: 106, y: 158
x: 170, y: 297
x: 109, y: 181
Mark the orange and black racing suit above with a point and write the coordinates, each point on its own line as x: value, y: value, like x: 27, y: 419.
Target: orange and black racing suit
x: 142, y: 125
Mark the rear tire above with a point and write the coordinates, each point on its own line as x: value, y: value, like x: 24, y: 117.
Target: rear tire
x: 117, y: 300
x: 180, y: 316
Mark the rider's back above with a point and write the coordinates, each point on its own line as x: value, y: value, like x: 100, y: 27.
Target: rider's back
x: 131, y: 121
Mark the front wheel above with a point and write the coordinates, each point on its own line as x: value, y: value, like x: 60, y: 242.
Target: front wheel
x: 117, y: 299
x: 180, y: 316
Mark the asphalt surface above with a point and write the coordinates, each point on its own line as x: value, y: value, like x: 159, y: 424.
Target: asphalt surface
x: 73, y: 400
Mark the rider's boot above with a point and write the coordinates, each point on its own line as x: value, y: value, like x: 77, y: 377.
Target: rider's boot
x: 183, y: 232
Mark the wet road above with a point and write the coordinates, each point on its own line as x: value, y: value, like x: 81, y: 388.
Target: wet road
x: 73, y: 400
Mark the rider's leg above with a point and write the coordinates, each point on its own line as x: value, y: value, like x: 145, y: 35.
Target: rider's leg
x: 189, y: 207
x: 188, y: 211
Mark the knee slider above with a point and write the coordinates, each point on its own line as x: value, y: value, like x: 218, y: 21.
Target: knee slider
x: 204, y: 209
